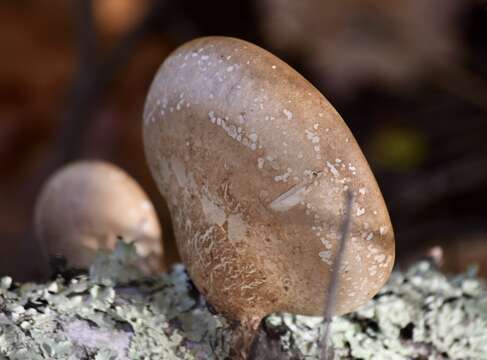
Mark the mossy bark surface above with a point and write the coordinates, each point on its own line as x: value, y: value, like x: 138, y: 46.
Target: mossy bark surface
x: 114, y: 313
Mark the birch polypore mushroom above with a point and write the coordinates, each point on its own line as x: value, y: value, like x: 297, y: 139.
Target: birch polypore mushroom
x: 89, y: 205
x: 254, y: 163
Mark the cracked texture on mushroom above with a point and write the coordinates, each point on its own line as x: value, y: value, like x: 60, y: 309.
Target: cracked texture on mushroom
x: 286, y: 158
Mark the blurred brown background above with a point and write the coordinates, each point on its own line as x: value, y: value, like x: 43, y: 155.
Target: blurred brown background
x: 408, y: 76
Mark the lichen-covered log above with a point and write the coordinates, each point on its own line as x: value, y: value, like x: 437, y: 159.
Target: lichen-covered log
x: 113, y: 313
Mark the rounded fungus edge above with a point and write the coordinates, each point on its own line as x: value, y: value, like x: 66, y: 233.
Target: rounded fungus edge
x: 88, y: 206
x: 254, y: 163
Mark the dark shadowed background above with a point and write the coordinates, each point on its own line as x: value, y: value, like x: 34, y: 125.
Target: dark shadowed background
x: 408, y: 76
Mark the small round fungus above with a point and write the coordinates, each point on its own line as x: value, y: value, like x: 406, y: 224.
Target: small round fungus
x: 254, y: 163
x: 90, y: 205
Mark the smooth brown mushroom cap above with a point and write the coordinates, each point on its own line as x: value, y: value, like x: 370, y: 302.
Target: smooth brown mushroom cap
x: 254, y: 163
x: 89, y: 205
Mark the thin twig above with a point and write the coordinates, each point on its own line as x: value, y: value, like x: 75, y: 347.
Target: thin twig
x: 424, y: 189
x: 331, y: 291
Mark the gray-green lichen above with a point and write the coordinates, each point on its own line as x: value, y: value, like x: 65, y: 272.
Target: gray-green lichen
x: 114, y: 313
x: 420, y: 314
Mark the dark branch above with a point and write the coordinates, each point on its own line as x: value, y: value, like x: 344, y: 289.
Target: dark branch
x: 94, y: 75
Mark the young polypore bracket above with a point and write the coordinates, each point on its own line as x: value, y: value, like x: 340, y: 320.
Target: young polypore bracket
x: 254, y: 163
x: 89, y: 205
